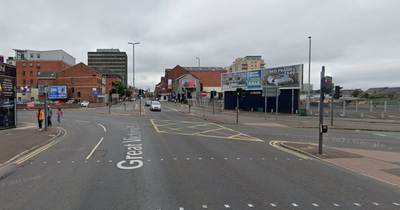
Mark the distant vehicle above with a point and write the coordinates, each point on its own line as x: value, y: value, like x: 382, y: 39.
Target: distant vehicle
x: 132, y: 99
x: 85, y: 104
x: 148, y: 103
x: 155, y: 105
x: 74, y: 101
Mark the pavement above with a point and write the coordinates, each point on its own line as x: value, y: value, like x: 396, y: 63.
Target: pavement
x: 381, y: 165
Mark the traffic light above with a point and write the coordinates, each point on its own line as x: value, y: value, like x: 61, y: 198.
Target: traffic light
x: 239, y: 92
x: 213, y: 93
x: 79, y: 94
x: 140, y: 92
x: 337, y: 92
x: 326, y: 84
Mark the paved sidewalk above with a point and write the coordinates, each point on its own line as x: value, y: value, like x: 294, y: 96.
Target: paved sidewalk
x: 23, y: 138
x: 381, y: 165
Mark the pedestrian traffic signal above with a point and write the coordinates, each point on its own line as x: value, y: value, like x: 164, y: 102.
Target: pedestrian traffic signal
x: 239, y: 92
x: 337, y: 92
x: 326, y: 84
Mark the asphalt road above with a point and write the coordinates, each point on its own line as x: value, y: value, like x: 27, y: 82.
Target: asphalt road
x: 169, y: 160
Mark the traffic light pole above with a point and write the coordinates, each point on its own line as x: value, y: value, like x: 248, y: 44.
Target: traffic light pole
x: 332, y: 100
x: 237, y: 110
x: 321, y: 112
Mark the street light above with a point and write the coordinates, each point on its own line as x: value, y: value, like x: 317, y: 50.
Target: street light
x: 199, y: 74
x: 133, y: 71
x: 309, y: 74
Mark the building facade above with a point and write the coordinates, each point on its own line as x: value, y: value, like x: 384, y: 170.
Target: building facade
x: 31, y: 63
x: 111, y: 59
x: 81, y: 81
x: 249, y: 62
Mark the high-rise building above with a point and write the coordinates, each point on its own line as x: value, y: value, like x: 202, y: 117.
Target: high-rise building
x: 111, y: 59
x: 249, y: 62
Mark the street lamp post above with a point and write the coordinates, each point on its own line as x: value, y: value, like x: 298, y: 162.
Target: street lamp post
x: 133, y: 64
x: 199, y: 74
x: 309, y: 75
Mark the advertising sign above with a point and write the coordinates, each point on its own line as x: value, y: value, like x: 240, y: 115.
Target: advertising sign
x: 189, y: 83
x: 7, y: 87
x: 254, y: 79
x: 287, y: 77
x: 58, y: 92
x: 169, y: 83
x: 23, y: 89
x: 231, y: 81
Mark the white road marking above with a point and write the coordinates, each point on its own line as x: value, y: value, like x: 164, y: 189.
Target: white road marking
x: 227, y: 206
x: 174, y: 158
x: 212, y: 158
x: 238, y: 158
x: 82, y: 121
x: 204, y: 206
x: 314, y: 204
x: 94, y: 148
x: 273, y: 204
x: 103, y: 127
x: 181, y: 208
x: 357, y: 204
x: 250, y: 205
x: 31, y: 163
x: 378, y: 134
x: 148, y: 160
x: 295, y: 205
x: 199, y: 158
x: 288, y: 158
x: 275, y: 158
x: 250, y: 158
x: 72, y: 161
x: 162, y: 159
x: 44, y: 162
x: 98, y: 161
x: 376, y: 204
x: 110, y: 161
x: 58, y: 161
x: 396, y: 204
x: 263, y: 158
x: 226, y: 158
x: 187, y: 158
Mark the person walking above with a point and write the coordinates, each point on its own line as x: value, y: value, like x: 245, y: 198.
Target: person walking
x: 40, y: 117
x: 60, y: 115
x: 49, y: 115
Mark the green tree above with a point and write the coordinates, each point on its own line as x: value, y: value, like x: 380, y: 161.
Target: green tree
x: 379, y: 95
x: 366, y: 95
x: 121, y: 87
x: 355, y: 93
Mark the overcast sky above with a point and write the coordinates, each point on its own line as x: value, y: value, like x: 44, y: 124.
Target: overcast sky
x: 358, y: 42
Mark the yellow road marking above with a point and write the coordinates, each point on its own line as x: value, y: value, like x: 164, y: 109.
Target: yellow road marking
x: 232, y: 134
x: 27, y: 157
x: 274, y: 144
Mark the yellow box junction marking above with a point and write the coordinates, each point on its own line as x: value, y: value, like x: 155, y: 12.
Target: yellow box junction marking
x: 41, y: 149
x: 200, y: 129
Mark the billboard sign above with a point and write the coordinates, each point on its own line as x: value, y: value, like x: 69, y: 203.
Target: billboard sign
x: 189, y: 83
x: 286, y: 77
x: 58, y: 92
x: 254, y: 79
x: 23, y: 89
x: 231, y: 81
x: 169, y: 83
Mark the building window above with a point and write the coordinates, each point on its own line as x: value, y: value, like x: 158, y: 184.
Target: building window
x: 23, y: 73
x: 72, y: 89
x: 31, y: 82
x: 31, y: 55
x: 23, y: 64
x: 72, y: 80
x: 38, y: 55
x: 31, y: 73
x: 23, y: 81
x: 30, y: 64
x: 38, y: 65
x: 38, y: 73
x: 63, y: 65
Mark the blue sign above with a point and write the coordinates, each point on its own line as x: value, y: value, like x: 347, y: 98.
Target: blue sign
x: 254, y: 80
x: 58, y: 92
x: 95, y: 92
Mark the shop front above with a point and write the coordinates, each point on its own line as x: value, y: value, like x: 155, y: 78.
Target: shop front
x: 8, y: 109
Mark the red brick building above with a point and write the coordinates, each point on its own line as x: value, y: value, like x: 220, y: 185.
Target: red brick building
x: 81, y: 80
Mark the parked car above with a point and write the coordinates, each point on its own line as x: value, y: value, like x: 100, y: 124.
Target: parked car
x: 148, y: 103
x: 74, y: 100
x: 85, y: 104
x: 155, y: 105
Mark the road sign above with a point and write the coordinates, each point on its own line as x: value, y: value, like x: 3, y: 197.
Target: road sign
x: 204, y: 93
x: 95, y: 92
x: 270, y: 90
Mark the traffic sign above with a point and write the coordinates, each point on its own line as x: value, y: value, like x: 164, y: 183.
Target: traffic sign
x: 204, y: 93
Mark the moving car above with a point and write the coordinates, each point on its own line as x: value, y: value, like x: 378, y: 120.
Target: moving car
x: 155, y: 105
x: 85, y: 104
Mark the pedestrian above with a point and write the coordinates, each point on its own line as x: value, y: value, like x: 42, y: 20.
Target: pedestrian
x: 60, y: 115
x: 49, y: 115
x: 40, y: 117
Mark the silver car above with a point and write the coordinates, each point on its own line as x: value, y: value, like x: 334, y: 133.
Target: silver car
x: 155, y: 106
x: 85, y: 104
